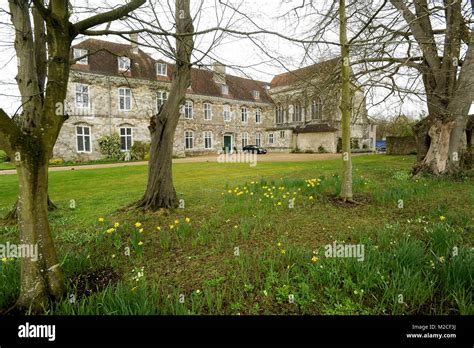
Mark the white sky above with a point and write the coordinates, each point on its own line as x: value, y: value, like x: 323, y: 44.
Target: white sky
x: 242, y: 56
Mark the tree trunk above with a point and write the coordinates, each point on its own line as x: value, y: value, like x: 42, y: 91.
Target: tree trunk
x: 346, y: 183
x: 160, y: 192
x: 12, y: 216
x: 41, y: 279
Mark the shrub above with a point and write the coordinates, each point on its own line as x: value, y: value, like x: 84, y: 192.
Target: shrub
x: 339, y: 145
x: 308, y: 151
x: 355, y: 143
x: 109, y: 146
x: 322, y: 149
x: 140, y: 150
x: 54, y: 161
x: 4, y: 157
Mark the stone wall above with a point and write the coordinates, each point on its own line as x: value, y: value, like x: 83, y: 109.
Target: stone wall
x: 401, y: 145
x: 312, y: 141
x: 104, y: 117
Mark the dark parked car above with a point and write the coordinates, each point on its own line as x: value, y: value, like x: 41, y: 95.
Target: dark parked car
x: 255, y: 149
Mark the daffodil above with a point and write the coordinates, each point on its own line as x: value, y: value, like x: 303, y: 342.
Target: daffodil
x: 188, y: 220
x: 171, y: 227
x: 311, y: 198
x: 158, y: 228
x: 176, y: 222
x: 101, y: 219
x: 140, y: 243
x: 110, y: 230
x: 442, y: 218
x: 4, y: 259
x: 140, y: 230
x: 113, y: 256
x: 116, y: 225
x: 314, y: 259
x: 138, y: 224
x: 283, y: 252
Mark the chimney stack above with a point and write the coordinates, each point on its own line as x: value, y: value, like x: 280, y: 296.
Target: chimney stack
x: 134, y: 38
x: 219, y: 73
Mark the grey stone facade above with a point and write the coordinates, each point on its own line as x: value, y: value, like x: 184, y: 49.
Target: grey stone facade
x: 98, y: 91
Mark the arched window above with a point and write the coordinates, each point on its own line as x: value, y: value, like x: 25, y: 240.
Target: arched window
x: 317, y: 109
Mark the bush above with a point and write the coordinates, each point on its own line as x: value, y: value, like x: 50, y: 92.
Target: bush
x: 140, y: 150
x: 322, y: 149
x: 4, y: 157
x: 339, y: 145
x: 54, y: 161
x: 355, y: 144
x: 109, y: 146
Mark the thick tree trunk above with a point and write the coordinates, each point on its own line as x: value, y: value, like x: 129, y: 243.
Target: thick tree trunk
x: 160, y: 192
x: 41, y: 279
x: 346, y: 183
x: 12, y: 216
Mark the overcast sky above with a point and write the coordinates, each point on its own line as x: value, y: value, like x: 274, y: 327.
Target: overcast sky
x: 261, y: 58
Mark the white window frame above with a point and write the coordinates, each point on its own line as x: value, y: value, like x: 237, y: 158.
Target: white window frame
x: 280, y: 118
x: 207, y: 109
x: 208, y: 136
x: 124, y: 63
x: 76, y: 92
x: 124, y: 89
x: 161, y: 69
x: 244, y: 114
x: 256, y: 94
x: 298, y: 113
x: 80, y: 52
x: 160, y: 100
x: 271, y: 139
x: 126, y: 136
x: 225, y: 89
x: 186, y: 137
x: 317, y: 109
x: 188, y: 109
x: 227, y: 113
x: 258, y: 115
x: 245, y: 139
x: 83, y: 136
x: 258, y: 139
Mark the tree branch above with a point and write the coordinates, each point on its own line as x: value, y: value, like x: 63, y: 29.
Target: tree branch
x: 82, y: 26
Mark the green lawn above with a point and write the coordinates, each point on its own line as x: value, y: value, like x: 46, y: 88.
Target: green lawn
x: 243, y: 250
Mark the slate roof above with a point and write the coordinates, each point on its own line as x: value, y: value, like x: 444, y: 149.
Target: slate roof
x: 103, y: 60
x: 323, y: 69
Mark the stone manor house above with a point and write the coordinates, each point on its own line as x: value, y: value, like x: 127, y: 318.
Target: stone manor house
x: 116, y: 88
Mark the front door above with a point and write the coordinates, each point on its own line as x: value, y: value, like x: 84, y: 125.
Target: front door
x: 227, y: 143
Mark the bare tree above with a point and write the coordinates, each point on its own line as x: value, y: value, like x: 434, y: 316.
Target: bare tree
x: 160, y: 192
x: 346, y: 106
x: 43, y: 37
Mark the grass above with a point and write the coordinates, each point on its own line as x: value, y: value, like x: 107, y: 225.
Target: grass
x: 241, y: 245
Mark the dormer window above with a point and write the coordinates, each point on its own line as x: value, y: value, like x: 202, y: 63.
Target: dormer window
x: 224, y: 89
x: 161, y: 69
x: 124, y: 63
x: 80, y: 56
x: 256, y: 94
